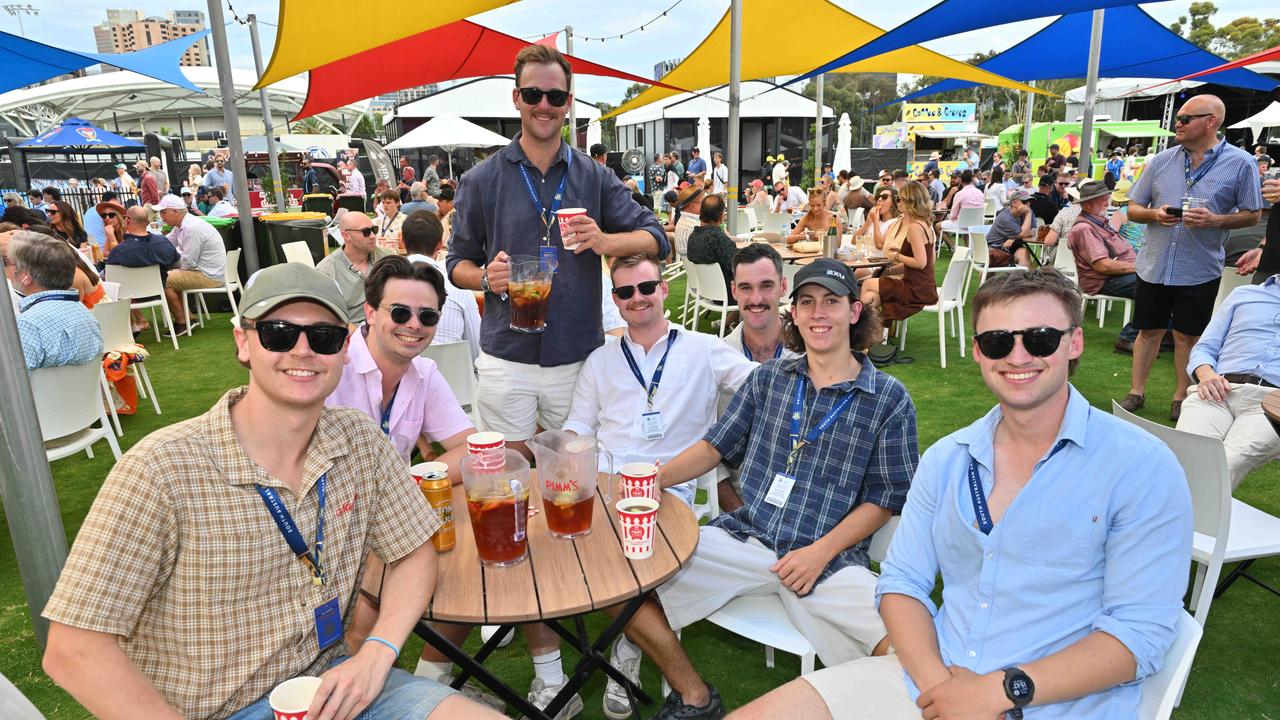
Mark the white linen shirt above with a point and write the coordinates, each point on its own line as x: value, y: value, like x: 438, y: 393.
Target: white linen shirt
x: 608, y: 400
x: 200, y: 247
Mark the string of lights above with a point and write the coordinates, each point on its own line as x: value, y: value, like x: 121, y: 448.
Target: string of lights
x: 612, y: 36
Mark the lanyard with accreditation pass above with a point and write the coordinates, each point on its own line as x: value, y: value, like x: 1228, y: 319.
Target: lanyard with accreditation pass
x: 780, y: 489
x: 546, y: 253
x: 650, y: 420
x: 1192, y: 179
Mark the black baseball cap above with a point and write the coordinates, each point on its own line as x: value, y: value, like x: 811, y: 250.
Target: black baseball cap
x: 830, y: 274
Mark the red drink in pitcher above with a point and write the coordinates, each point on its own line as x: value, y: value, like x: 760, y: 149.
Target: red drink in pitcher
x: 498, y: 524
x: 568, y: 517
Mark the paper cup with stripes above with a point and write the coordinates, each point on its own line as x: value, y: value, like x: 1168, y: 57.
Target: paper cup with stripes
x: 639, y: 479
x: 489, y: 450
x: 291, y: 698
x: 637, y: 526
x: 567, y: 234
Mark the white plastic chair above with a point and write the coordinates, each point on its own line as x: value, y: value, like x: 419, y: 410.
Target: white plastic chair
x: 111, y: 290
x: 1160, y: 692
x: 950, y: 304
x: 230, y: 285
x: 1065, y: 261
x: 989, y: 211
x: 1230, y: 281
x: 113, y: 320
x: 454, y: 361
x: 965, y: 219
x: 144, y: 282
x: 68, y: 403
x: 298, y: 252
x: 711, y: 294
x: 14, y: 705
x: 710, y: 509
x: 1204, y: 461
x: 689, y: 303
x: 981, y: 258
x: 776, y: 222
x: 753, y: 222
x: 857, y: 217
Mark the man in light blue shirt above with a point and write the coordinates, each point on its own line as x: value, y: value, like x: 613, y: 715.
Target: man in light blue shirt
x: 1063, y: 536
x: 1236, y: 364
x: 220, y: 177
x: 54, y: 327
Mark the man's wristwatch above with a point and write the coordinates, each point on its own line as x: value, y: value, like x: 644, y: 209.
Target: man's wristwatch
x: 1019, y: 689
x: 484, y: 281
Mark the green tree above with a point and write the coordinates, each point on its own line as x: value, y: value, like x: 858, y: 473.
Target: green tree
x: 1196, y: 25
x: 370, y: 126
x: 1238, y: 38
x: 309, y: 126
x: 857, y: 94
x: 608, y: 126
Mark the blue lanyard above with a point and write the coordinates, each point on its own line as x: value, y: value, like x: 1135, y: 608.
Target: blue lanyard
x: 777, y: 352
x: 289, y: 529
x: 652, y: 386
x: 1204, y: 168
x: 980, y: 511
x: 52, y: 296
x: 544, y: 213
x: 386, y: 413
x: 797, y: 413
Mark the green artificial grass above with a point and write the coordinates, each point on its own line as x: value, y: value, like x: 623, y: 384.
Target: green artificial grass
x: 1234, y: 675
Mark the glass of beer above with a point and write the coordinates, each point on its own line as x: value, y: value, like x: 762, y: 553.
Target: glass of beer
x: 498, y: 504
x: 529, y: 288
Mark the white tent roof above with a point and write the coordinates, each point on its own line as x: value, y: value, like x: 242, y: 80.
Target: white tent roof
x: 1118, y: 88
x: 757, y: 101
x: 1268, y: 118
x: 488, y: 97
x: 123, y: 97
x: 448, y: 132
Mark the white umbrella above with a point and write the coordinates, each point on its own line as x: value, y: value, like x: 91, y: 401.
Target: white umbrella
x: 448, y: 132
x: 1268, y: 118
x: 704, y: 136
x: 844, y: 142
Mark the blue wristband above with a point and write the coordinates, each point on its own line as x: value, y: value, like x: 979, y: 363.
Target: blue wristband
x: 388, y: 643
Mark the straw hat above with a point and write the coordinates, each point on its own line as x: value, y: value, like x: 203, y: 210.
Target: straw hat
x: 115, y: 207
x: 935, y: 155
x: 856, y: 181
x: 1121, y: 194
x: 688, y: 195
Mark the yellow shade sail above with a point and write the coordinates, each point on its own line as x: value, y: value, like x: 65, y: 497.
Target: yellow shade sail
x: 305, y: 37
x: 797, y: 40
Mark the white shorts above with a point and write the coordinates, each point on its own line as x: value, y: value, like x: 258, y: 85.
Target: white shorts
x: 838, y: 617
x: 871, y: 688
x: 516, y: 399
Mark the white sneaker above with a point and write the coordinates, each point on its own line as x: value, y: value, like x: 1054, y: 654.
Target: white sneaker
x: 488, y: 631
x: 472, y: 692
x: 541, y: 695
x: 616, y: 704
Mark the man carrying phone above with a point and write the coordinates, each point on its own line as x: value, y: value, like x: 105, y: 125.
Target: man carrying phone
x: 1190, y: 197
x: 223, y: 553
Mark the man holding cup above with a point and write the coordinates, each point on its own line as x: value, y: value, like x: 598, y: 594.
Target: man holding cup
x: 826, y: 447
x: 223, y: 553
x: 1190, y: 197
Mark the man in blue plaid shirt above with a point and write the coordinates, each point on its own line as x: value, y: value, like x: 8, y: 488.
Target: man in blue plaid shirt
x: 826, y: 447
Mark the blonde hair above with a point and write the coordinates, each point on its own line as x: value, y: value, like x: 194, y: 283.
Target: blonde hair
x: 916, y: 202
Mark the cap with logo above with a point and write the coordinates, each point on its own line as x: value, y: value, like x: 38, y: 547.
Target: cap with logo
x: 1019, y: 194
x: 830, y: 274
x: 271, y: 287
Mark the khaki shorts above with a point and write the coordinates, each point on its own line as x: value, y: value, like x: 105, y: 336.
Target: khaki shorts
x: 871, y: 688
x: 516, y: 399
x: 838, y: 617
x: 180, y: 280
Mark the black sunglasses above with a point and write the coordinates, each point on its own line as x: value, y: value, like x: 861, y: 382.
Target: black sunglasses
x: 648, y: 287
x: 280, y: 336
x: 533, y: 96
x: 400, y: 315
x: 107, y: 216
x: 1039, y: 341
x: 363, y: 231
x: 1184, y: 119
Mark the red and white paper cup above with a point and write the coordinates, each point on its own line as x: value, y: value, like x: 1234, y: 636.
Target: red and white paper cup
x: 637, y: 525
x: 291, y: 698
x: 566, y: 234
x: 639, y: 479
x: 489, y: 450
x: 429, y: 471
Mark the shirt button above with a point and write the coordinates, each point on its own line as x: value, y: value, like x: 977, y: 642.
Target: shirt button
x: 990, y: 555
x: 973, y: 654
x: 982, y: 605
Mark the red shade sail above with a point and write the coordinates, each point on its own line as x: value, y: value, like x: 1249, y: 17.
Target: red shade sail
x: 1263, y: 56
x: 459, y: 50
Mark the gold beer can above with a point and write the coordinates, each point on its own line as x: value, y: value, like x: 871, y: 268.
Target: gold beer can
x: 433, y: 479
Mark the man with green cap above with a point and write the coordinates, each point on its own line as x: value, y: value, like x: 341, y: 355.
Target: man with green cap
x: 223, y: 553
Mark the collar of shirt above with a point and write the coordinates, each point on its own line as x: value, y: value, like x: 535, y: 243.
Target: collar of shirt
x: 29, y: 300
x: 236, y: 468
x: 360, y: 359
x: 865, y: 381
x: 639, y: 350
x: 980, y: 437
x: 514, y: 153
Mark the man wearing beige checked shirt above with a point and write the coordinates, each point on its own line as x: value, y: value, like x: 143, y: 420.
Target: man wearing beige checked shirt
x: 223, y: 553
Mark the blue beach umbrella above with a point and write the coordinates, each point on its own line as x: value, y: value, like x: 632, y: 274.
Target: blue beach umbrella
x: 79, y: 134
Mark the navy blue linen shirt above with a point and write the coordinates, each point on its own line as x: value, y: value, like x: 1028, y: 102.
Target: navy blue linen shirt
x: 868, y: 455
x: 144, y: 251
x: 495, y: 212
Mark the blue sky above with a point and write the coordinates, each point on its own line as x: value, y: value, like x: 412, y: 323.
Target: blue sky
x: 671, y: 36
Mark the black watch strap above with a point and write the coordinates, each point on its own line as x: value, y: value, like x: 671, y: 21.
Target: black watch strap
x: 1020, y: 690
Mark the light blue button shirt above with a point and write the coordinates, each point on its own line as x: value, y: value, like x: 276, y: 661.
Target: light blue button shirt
x: 1179, y: 255
x: 1099, y: 539
x: 56, y: 329
x: 1244, y: 334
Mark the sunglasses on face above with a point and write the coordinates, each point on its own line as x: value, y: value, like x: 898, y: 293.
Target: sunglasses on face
x: 108, y: 216
x: 1186, y: 119
x: 54, y: 211
x: 280, y: 336
x: 363, y: 231
x: 401, y: 314
x: 1039, y: 341
x: 533, y: 96
x: 626, y: 292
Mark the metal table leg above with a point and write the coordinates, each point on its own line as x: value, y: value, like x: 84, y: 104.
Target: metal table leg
x: 592, y: 657
x: 471, y: 666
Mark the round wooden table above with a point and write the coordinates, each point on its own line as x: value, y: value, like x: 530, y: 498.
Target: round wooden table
x: 1271, y: 408
x: 561, y: 579
x: 788, y: 255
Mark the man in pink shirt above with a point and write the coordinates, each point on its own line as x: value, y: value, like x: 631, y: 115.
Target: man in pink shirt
x: 967, y: 196
x: 1104, y: 259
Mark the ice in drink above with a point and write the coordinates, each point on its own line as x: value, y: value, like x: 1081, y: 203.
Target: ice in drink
x: 568, y: 515
x: 499, y: 527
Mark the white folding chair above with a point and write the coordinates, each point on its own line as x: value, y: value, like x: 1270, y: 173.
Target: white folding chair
x: 753, y: 222
x: 988, y: 211
x: 857, y: 217
x: 454, y: 361
x: 1230, y: 281
x: 689, y: 303
x: 111, y: 290
x: 144, y: 282
x: 965, y: 219
x: 981, y: 258
x: 1065, y: 262
x: 230, y: 285
x: 706, y: 483
x: 1204, y: 461
x: 298, y: 252
x: 1160, y: 692
x: 744, y: 220
x: 950, y: 304
x: 113, y: 321
x: 14, y: 705
x: 68, y: 403
x: 711, y: 294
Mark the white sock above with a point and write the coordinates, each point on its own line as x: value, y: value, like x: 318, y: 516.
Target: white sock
x: 625, y: 648
x: 548, y: 669
x: 433, y: 670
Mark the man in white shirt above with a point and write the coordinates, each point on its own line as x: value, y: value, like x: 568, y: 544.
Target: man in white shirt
x: 789, y: 198
x: 202, y: 256
x: 423, y: 234
x: 221, y: 208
